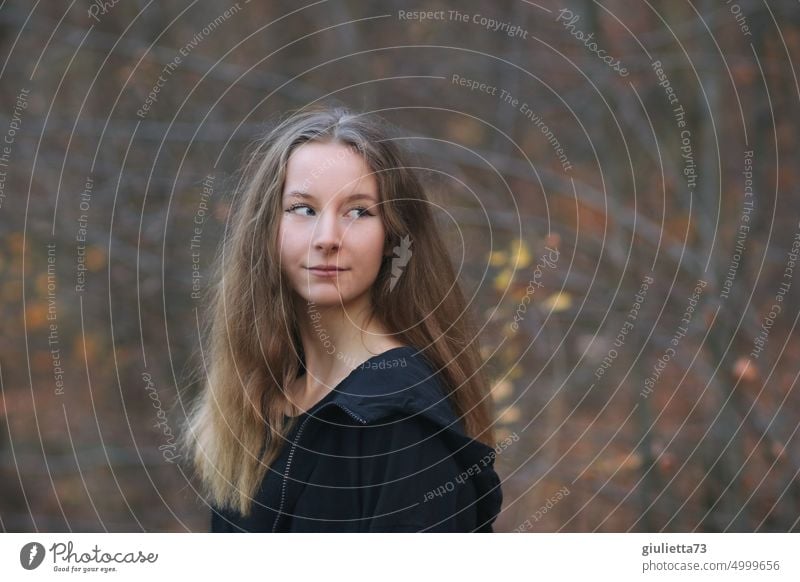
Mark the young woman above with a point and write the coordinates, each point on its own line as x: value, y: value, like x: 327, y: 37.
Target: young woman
x: 344, y: 389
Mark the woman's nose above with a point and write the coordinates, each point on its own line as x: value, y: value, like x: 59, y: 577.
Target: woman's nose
x: 327, y: 231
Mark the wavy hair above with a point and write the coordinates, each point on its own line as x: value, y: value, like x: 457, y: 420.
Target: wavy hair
x: 235, y: 429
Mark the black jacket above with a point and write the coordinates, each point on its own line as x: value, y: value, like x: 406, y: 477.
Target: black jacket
x: 383, y: 452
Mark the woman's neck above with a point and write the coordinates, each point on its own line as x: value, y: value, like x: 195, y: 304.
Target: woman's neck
x: 336, y: 340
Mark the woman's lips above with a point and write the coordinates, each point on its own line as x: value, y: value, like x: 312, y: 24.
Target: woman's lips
x: 329, y: 272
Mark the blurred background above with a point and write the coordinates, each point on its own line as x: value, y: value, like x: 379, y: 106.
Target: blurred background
x: 617, y: 181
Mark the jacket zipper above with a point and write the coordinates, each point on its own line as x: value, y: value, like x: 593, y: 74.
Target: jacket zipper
x: 351, y: 413
x: 291, y: 456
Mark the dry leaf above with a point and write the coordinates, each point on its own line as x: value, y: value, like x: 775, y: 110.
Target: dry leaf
x: 502, y: 279
x: 521, y: 254
x: 497, y: 258
x: 502, y: 390
x: 556, y: 302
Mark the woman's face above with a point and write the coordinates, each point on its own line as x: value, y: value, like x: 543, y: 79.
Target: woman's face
x: 331, y: 218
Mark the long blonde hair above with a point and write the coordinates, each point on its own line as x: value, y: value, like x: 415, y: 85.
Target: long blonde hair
x: 235, y: 429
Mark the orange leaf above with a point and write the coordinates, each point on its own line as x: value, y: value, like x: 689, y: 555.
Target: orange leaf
x: 35, y: 315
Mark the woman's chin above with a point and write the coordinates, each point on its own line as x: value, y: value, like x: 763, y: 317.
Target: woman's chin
x: 323, y: 298
x: 331, y: 296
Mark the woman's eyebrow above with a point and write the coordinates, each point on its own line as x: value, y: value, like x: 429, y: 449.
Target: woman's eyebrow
x: 307, y: 196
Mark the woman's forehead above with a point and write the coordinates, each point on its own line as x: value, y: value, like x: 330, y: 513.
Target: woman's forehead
x: 313, y: 165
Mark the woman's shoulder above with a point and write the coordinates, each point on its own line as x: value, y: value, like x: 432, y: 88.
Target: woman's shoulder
x: 390, y: 368
x: 398, y: 382
x: 396, y: 405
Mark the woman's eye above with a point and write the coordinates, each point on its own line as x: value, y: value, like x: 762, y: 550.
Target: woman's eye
x: 361, y: 211
x: 296, y: 206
